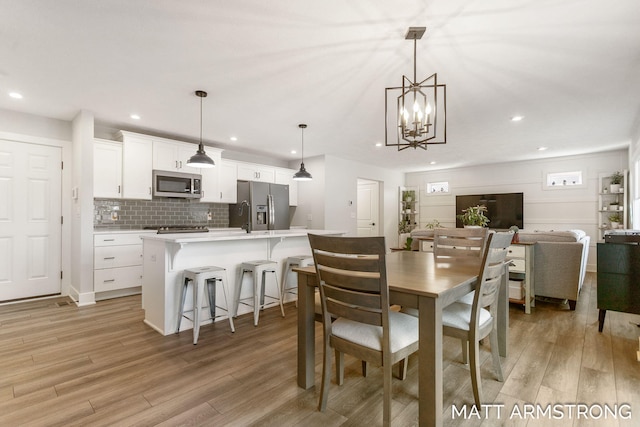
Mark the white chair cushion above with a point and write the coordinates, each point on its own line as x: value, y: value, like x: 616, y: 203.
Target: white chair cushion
x: 468, y: 298
x: 403, y: 331
x: 458, y: 314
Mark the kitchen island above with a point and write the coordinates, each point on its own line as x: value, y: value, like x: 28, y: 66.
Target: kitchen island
x: 165, y: 256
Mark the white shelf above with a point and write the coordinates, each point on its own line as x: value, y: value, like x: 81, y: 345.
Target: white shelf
x: 408, y: 207
x: 606, y: 197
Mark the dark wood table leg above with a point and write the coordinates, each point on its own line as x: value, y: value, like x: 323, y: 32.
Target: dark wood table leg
x: 306, y: 331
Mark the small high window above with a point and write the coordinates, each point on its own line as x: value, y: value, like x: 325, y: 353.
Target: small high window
x: 437, y: 187
x: 564, y: 179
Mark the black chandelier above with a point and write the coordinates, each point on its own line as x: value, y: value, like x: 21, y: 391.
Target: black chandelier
x: 418, y: 116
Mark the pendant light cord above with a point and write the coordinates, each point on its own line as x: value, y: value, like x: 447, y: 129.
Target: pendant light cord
x: 201, y: 147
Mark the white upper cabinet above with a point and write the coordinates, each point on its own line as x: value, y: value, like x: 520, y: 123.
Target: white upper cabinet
x: 219, y: 184
x: 173, y: 155
x: 210, y: 177
x: 228, y: 182
x: 137, y: 155
x: 285, y: 176
x: 165, y: 156
x: 255, y: 172
x: 125, y: 169
x: 107, y: 169
x: 186, y: 151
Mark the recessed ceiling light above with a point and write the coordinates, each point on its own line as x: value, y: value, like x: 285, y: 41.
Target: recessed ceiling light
x: 516, y: 118
x: 234, y: 138
x: 378, y: 144
x: 542, y: 148
x: 432, y: 162
x: 135, y: 117
x: 15, y: 95
x: 293, y: 151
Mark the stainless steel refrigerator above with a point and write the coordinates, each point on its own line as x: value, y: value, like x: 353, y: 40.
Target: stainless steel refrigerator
x: 263, y: 205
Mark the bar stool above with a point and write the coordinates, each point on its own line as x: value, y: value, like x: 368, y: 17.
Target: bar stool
x: 199, y: 276
x: 292, y: 262
x: 259, y: 269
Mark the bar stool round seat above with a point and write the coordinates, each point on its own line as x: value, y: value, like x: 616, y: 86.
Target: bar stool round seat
x: 199, y: 276
x: 292, y: 262
x: 258, y: 270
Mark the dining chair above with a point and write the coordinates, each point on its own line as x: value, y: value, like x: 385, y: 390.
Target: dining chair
x: 352, y: 277
x: 451, y: 244
x: 459, y: 242
x: 473, y: 322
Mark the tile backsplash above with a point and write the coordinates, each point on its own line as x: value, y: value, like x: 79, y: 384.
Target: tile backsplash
x: 137, y: 214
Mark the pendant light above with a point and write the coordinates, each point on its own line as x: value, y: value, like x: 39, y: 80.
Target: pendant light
x: 302, y: 174
x: 200, y: 159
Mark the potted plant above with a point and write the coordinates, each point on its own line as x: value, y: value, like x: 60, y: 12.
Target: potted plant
x: 474, y: 216
x: 615, y: 220
x: 515, y: 238
x: 404, y: 228
x: 408, y: 195
x: 433, y: 224
x: 614, y: 182
x: 407, y: 244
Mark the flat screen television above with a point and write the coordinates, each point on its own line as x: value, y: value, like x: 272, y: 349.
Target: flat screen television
x: 503, y: 210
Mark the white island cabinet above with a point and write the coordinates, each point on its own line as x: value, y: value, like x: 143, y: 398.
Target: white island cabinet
x: 165, y: 256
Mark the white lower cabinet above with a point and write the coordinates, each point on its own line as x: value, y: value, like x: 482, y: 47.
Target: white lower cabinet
x: 117, y: 259
x: 117, y: 278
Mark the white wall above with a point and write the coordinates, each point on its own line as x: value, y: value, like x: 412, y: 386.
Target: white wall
x: 544, y: 209
x: 634, y: 178
x: 28, y: 124
x: 333, y: 193
x: 311, y: 195
x: 82, y: 210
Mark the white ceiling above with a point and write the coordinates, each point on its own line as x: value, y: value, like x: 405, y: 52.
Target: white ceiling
x: 571, y: 67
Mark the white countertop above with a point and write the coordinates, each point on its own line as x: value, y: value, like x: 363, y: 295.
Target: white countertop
x: 139, y: 231
x: 213, y: 236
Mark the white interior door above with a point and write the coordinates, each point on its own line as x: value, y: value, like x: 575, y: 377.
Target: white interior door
x: 30, y: 212
x: 368, y: 208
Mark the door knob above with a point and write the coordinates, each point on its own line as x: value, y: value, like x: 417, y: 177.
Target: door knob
x: 373, y: 223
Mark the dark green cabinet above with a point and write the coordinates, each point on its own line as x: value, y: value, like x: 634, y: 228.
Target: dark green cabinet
x: 618, y: 279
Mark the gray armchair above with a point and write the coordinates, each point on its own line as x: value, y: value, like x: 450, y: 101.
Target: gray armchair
x: 560, y: 263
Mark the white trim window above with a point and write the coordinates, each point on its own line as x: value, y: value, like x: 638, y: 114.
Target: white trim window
x: 564, y: 179
x: 441, y: 187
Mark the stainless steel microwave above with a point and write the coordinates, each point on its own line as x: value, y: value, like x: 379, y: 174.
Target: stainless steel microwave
x: 177, y: 184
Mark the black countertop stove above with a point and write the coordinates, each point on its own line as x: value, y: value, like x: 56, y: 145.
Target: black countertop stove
x: 168, y: 229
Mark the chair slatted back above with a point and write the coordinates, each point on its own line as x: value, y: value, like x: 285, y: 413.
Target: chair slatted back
x: 352, y: 276
x: 492, y: 269
x: 459, y: 242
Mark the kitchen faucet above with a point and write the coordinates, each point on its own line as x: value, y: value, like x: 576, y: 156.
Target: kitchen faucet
x: 246, y: 226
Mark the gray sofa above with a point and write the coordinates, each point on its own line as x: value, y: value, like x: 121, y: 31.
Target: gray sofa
x: 560, y: 262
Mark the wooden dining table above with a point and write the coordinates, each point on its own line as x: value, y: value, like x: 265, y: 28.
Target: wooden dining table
x: 415, y: 280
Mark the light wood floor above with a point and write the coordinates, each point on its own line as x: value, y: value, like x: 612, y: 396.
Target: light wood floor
x: 100, y: 365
